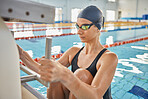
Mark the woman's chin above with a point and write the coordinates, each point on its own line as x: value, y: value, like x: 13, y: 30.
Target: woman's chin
x: 83, y: 41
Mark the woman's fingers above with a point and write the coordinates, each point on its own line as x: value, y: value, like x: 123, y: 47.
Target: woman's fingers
x: 50, y: 70
x: 44, y: 61
x: 43, y: 73
x: 51, y: 58
x: 20, y: 50
x: 45, y: 78
x: 46, y: 75
x: 18, y: 46
x: 46, y: 68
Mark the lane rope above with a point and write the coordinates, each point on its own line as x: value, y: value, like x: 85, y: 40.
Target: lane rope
x: 106, y: 46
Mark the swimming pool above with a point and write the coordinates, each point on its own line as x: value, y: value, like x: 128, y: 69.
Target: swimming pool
x: 131, y: 77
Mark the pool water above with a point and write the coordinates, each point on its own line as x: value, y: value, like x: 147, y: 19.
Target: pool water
x: 132, y: 70
x: 131, y: 77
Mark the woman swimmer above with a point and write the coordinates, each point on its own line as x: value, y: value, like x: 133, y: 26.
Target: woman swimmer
x: 93, y: 66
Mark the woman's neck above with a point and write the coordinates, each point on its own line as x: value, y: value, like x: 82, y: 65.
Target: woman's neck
x: 92, y: 46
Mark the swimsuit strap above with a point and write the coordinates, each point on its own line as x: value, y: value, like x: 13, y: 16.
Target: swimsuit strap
x: 92, y: 68
x: 74, y: 61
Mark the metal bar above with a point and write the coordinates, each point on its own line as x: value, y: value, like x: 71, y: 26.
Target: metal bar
x: 48, y: 50
x: 28, y: 78
x: 30, y: 72
x: 33, y: 91
x: 48, y: 47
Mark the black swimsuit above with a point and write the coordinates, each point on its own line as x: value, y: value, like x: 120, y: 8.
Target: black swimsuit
x: 92, y: 69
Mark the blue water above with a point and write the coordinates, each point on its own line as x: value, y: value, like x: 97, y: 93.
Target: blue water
x: 131, y: 70
x: 132, y: 67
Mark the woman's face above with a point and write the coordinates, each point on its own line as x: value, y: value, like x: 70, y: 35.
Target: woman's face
x: 87, y: 35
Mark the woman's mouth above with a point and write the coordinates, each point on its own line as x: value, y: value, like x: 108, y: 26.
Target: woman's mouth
x: 82, y: 37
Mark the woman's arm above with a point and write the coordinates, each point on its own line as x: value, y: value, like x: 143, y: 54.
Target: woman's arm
x: 33, y: 65
x: 67, y: 57
x: 81, y: 90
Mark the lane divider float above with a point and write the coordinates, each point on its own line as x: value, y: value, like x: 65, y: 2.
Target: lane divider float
x: 41, y: 36
x: 106, y: 46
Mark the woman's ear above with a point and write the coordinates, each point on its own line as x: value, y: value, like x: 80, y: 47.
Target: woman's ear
x: 99, y: 32
x: 97, y: 29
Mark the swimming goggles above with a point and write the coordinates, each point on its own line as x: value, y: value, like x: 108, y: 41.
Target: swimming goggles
x: 84, y: 26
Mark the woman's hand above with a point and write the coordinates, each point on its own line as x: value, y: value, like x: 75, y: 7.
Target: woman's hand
x: 27, y: 60
x: 51, y: 70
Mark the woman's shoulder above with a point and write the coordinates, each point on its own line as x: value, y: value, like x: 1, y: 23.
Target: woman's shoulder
x: 68, y: 55
x: 73, y: 50
x: 109, y: 56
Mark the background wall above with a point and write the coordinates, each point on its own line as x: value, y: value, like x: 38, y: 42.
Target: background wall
x: 133, y: 8
x: 128, y: 8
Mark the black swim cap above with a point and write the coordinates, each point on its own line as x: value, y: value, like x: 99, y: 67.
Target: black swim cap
x: 93, y: 14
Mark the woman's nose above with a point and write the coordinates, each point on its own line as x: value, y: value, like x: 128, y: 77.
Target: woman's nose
x: 79, y: 31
